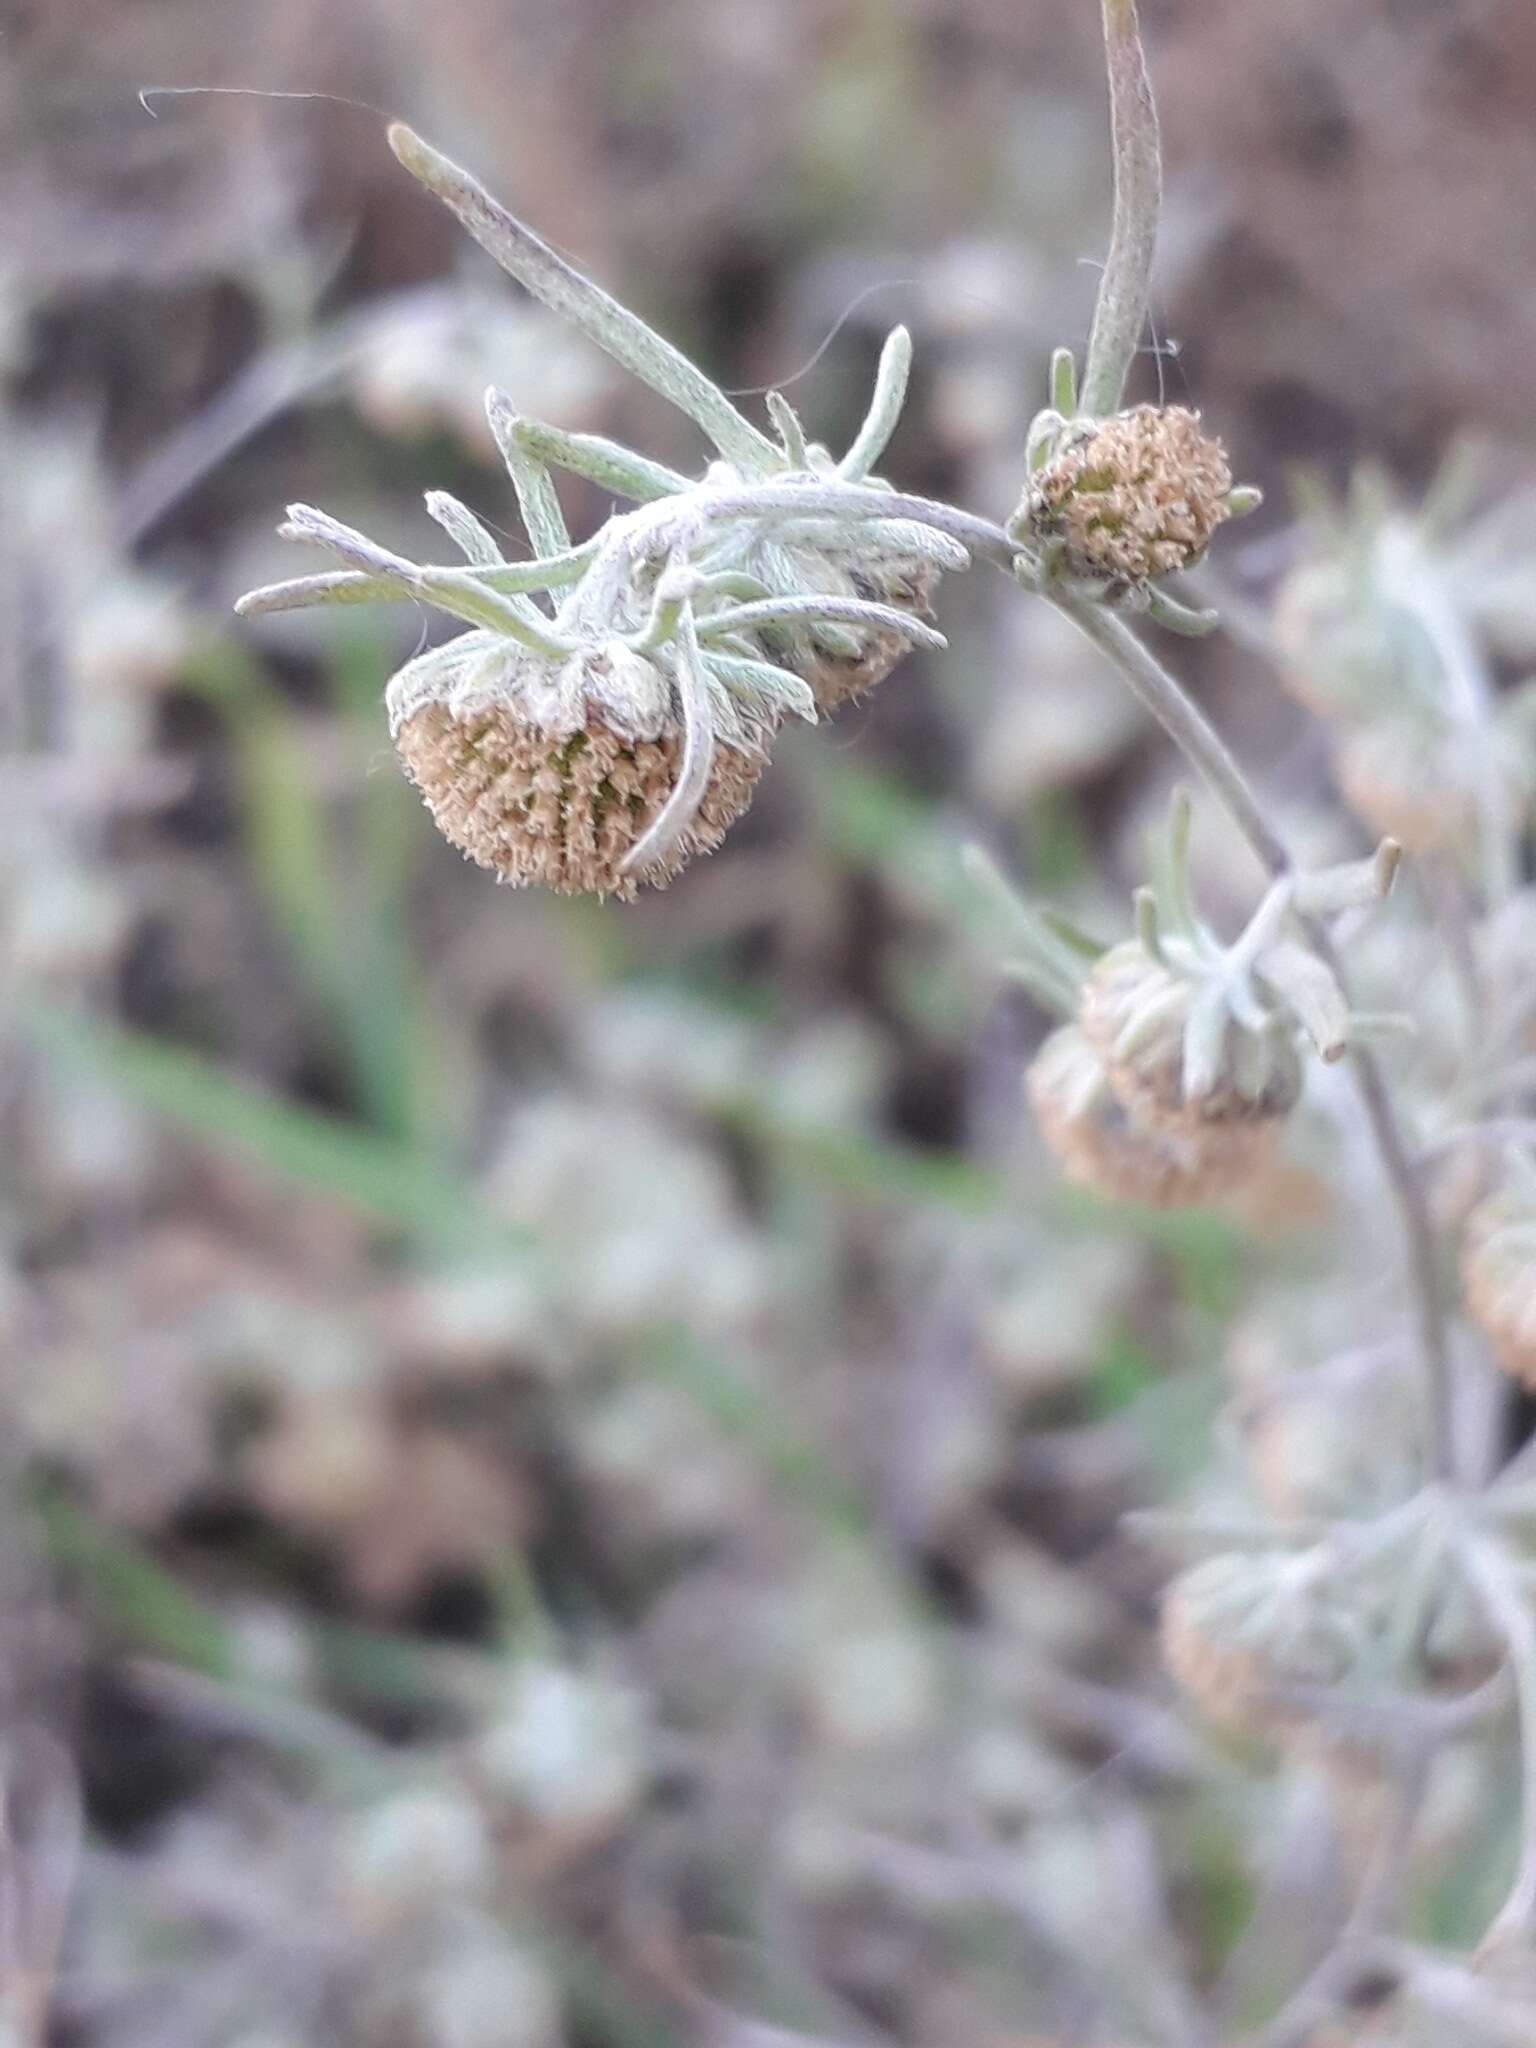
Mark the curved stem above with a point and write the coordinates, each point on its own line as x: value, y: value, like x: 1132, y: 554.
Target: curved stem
x: 1122, y: 304
x: 1185, y: 724
x: 1329, y: 1986
x: 1206, y: 751
x: 859, y: 501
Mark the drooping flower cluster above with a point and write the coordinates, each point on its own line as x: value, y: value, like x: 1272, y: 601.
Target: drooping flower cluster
x: 1181, y: 1058
x: 1262, y: 1637
x: 613, y: 705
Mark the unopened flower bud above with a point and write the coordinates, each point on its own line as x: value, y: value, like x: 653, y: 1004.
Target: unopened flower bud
x: 1341, y: 1439
x: 1433, y: 788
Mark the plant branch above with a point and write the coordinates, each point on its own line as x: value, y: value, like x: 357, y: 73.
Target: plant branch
x: 1330, y: 1983
x: 1185, y: 724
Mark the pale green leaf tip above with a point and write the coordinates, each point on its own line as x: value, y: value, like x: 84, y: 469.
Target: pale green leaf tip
x: 417, y: 156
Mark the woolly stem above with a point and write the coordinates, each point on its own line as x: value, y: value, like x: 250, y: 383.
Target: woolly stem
x: 1329, y: 1986
x: 843, y: 501
x: 1124, y: 288
x: 1185, y: 724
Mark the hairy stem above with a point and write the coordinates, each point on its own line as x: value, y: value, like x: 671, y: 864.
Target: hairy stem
x: 1123, y: 290
x: 1329, y: 1986
x: 1185, y: 724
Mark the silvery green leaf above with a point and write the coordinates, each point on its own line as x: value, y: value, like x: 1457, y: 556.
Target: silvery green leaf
x: 787, y: 421
x: 1167, y: 612
x: 884, y: 408
x: 536, y: 497
x: 576, y: 298
x: 1205, y: 1041
x: 764, y: 681
x: 1312, y: 991
x: 682, y: 806
x: 602, y: 462
x: 471, y: 536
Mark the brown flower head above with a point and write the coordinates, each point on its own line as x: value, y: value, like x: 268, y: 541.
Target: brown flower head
x: 1135, y: 497
x: 553, y: 773
x: 1104, y: 1146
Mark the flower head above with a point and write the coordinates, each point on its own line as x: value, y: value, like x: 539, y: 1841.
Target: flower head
x: 612, y: 708
x: 555, y: 775
x: 1131, y: 498
x: 1104, y: 1146
x: 1140, y: 1014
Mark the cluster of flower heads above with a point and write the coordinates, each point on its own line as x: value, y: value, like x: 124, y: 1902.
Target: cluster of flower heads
x: 1343, y: 1602
x: 1180, y: 1056
x: 613, y: 704
x: 611, y: 708
x: 1268, y: 1638
x: 1347, y: 1598
x: 1388, y: 629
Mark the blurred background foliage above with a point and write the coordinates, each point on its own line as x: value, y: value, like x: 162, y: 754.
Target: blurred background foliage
x: 563, y: 1464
